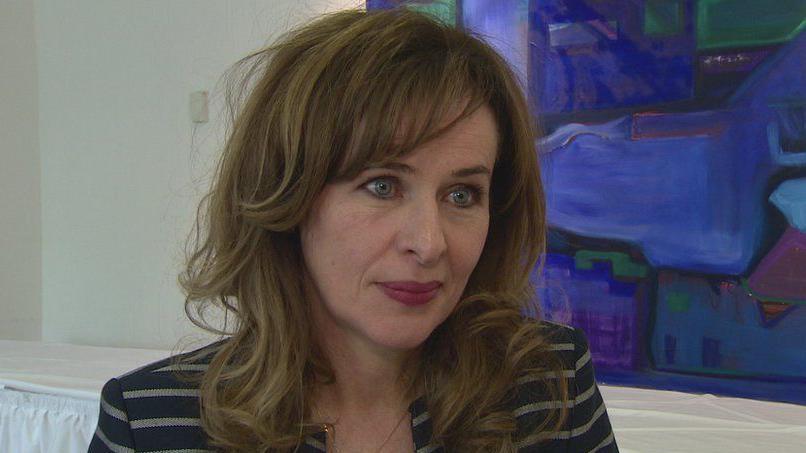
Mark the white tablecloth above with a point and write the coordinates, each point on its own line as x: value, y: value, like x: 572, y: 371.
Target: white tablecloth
x: 50, y: 396
x: 676, y: 422
x: 34, y: 422
x: 50, y: 393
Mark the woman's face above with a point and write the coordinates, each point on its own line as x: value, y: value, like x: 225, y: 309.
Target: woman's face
x: 422, y: 220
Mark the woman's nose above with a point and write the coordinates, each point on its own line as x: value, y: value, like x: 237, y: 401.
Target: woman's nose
x: 422, y: 233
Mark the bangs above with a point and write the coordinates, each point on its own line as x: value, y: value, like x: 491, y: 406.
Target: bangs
x: 412, y: 97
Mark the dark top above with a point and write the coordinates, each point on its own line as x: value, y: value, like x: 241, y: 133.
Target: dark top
x: 150, y: 409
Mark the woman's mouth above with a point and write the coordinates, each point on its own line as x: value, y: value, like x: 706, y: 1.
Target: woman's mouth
x: 411, y: 293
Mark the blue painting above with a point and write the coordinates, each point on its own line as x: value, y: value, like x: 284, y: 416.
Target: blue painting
x: 674, y: 159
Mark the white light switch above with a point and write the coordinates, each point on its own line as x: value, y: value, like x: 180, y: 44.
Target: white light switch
x: 198, y: 107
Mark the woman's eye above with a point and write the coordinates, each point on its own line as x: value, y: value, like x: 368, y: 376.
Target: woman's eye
x: 381, y: 187
x: 466, y: 197
x: 463, y: 197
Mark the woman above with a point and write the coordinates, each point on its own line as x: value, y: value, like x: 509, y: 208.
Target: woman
x: 371, y: 229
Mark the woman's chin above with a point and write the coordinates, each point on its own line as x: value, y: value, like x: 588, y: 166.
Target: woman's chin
x: 401, y: 343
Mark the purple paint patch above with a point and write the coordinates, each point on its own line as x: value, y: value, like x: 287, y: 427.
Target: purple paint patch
x: 610, y: 311
x: 781, y: 275
x: 670, y: 343
x: 595, y: 54
x: 710, y: 353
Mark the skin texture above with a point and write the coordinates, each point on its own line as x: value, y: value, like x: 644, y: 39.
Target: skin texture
x: 393, y: 225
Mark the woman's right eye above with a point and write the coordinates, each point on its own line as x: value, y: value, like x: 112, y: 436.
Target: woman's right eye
x: 381, y: 187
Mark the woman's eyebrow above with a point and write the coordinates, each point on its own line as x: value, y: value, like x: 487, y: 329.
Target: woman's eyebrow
x: 477, y: 170
x: 469, y: 171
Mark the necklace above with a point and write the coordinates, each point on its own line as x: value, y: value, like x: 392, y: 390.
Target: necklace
x: 330, y: 433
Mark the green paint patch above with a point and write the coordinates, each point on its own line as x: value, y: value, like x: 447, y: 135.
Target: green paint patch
x: 678, y: 302
x: 743, y: 23
x: 663, y: 18
x: 442, y: 10
x: 621, y: 263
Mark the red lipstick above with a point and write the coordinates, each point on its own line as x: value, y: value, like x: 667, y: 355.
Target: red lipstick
x: 411, y: 293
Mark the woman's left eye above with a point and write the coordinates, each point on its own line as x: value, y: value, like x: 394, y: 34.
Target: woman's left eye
x: 466, y: 196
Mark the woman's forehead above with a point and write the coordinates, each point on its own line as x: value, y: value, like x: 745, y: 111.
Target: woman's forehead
x: 411, y: 134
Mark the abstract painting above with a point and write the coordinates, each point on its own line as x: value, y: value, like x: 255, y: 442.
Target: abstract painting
x: 673, y: 154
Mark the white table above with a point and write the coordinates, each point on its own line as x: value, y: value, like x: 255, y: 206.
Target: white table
x: 677, y: 422
x: 50, y: 393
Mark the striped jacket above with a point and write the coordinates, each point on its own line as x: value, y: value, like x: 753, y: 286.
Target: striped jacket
x: 150, y: 410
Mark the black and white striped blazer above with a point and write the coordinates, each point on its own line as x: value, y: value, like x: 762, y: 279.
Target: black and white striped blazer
x: 151, y: 410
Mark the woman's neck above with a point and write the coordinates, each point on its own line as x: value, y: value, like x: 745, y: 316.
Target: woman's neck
x: 367, y: 380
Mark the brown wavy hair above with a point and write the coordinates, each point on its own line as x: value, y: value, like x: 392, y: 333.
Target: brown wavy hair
x: 348, y: 89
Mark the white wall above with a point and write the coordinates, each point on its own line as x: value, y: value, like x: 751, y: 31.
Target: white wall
x: 122, y: 164
x: 20, y: 226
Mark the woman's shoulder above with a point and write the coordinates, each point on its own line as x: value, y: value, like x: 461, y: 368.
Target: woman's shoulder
x: 568, y: 345
x: 569, y: 342
x: 156, y: 406
x: 179, y: 370
x: 536, y: 387
x: 587, y: 427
